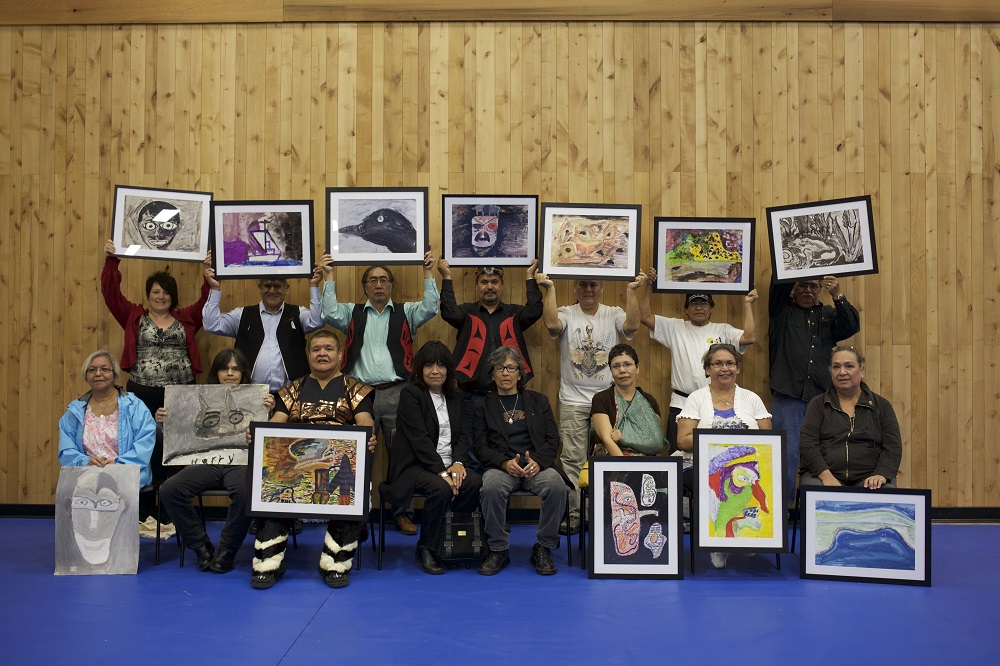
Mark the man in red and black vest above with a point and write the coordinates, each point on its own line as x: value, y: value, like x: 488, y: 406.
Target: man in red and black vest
x: 379, y: 345
x: 271, y: 335
x: 485, y: 325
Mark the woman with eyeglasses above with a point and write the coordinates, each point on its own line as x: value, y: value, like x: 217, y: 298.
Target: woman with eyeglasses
x: 721, y: 405
x: 516, y: 439
x: 850, y: 435
x: 107, y: 425
x: 626, y: 419
x: 160, y: 349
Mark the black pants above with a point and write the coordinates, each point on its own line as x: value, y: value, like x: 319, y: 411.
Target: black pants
x: 339, y: 544
x: 177, y: 491
x: 152, y: 397
x: 438, y: 498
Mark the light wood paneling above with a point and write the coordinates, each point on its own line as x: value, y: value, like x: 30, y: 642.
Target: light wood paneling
x: 95, y: 12
x: 696, y: 118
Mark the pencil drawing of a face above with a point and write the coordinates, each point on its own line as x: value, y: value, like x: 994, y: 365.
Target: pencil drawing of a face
x: 96, y: 509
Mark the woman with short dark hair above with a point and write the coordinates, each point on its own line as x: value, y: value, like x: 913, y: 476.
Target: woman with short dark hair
x: 430, y: 451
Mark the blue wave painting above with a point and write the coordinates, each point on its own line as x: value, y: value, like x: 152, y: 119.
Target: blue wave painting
x: 875, y: 535
x: 885, y: 549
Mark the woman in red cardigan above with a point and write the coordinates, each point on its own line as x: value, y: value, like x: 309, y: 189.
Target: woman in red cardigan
x: 160, y: 346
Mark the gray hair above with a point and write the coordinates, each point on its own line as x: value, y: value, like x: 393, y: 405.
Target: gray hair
x: 115, y: 368
x: 503, y: 354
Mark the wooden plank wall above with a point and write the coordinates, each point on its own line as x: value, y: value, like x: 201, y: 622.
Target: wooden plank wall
x: 684, y: 118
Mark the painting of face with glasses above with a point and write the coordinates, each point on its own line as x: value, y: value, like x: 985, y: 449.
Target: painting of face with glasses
x: 169, y: 224
x: 498, y: 231
x: 96, y: 512
x: 377, y: 225
x: 822, y: 238
x: 206, y: 424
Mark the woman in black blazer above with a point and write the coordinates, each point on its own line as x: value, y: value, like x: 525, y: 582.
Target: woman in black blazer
x: 430, y: 451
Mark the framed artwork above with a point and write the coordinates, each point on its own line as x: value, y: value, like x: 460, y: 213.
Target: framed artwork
x: 636, y: 519
x: 258, y: 239
x: 739, y: 495
x: 376, y: 225
x: 704, y: 253
x: 302, y: 470
x: 489, y: 230
x: 97, y: 509
x: 811, y: 240
x: 206, y: 423
x: 866, y: 536
x: 590, y: 241
x: 161, y: 224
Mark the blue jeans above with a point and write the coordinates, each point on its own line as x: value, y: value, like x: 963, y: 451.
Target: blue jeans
x: 787, y: 414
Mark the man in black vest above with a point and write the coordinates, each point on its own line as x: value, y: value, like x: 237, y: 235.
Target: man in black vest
x: 272, y: 335
x: 379, y: 345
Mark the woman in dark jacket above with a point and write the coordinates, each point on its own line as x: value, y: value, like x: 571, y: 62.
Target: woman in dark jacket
x: 429, y: 450
x: 850, y: 436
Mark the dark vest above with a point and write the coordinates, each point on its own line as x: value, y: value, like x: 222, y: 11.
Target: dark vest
x: 291, y: 339
x: 399, y: 342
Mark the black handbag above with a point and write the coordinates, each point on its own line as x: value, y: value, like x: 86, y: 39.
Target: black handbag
x: 464, y: 542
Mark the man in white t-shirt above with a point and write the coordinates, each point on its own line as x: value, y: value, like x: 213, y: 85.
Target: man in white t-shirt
x: 586, y: 330
x: 689, y: 339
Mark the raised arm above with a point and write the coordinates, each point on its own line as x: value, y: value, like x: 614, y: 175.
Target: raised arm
x: 450, y: 310
x: 111, y: 287
x: 646, y: 287
x: 550, y: 309
x: 749, y: 323
x: 422, y: 311
x: 335, y: 314
x: 632, y: 313
x: 532, y: 310
x: 846, y: 320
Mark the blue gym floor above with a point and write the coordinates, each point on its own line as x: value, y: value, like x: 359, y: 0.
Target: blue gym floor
x: 749, y: 613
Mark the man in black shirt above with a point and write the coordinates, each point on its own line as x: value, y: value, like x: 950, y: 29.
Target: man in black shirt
x: 802, y: 333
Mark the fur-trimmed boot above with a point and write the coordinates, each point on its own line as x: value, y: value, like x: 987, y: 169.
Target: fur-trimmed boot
x: 269, y: 553
x: 338, y: 552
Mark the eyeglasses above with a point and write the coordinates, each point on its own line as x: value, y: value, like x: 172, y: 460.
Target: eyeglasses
x: 100, y: 371
x: 378, y: 280
x: 506, y: 369
x: 272, y: 286
x: 809, y: 286
x: 98, y: 504
x: 723, y: 364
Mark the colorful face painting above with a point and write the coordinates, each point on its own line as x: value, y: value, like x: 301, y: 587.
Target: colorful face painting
x: 625, y: 518
x: 738, y: 500
x: 309, y: 471
x: 703, y: 255
x: 590, y: 241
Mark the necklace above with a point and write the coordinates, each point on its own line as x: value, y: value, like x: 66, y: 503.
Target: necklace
x: 727, y: 403
x: 508, y: 414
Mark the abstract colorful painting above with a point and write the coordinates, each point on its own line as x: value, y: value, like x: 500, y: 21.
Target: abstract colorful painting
x: 635, y: 509
x: 589, y: 241
x: 854, y: 534
x: 704, y: 254
x: 739, y: 497
x: 376, y: 225
x: 309, y: 470
x: 206, y: 423
x: 811, y: 240
x: 258, y: 239
x: 97, y: 510
x: 161, y: 224
x: 488, y: 230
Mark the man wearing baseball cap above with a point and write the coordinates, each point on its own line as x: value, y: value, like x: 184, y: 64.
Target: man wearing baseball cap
x: 689, y: 339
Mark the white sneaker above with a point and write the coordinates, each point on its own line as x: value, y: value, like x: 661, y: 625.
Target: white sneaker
x: 718, y: 559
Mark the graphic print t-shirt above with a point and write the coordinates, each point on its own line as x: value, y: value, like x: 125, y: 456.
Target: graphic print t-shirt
x: 583, y: 349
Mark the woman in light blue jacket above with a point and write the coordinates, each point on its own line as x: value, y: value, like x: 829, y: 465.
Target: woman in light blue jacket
x: 106, y: 426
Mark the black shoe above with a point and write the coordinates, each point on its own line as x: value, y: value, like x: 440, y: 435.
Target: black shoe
x: 261, y: 580
x: 494, y: 562
x: 541, y: 557
x: 223, y: 561
x: 336, y: 579
x: 429, y: 562
x: 572, y: 526
x: 205, y: 553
